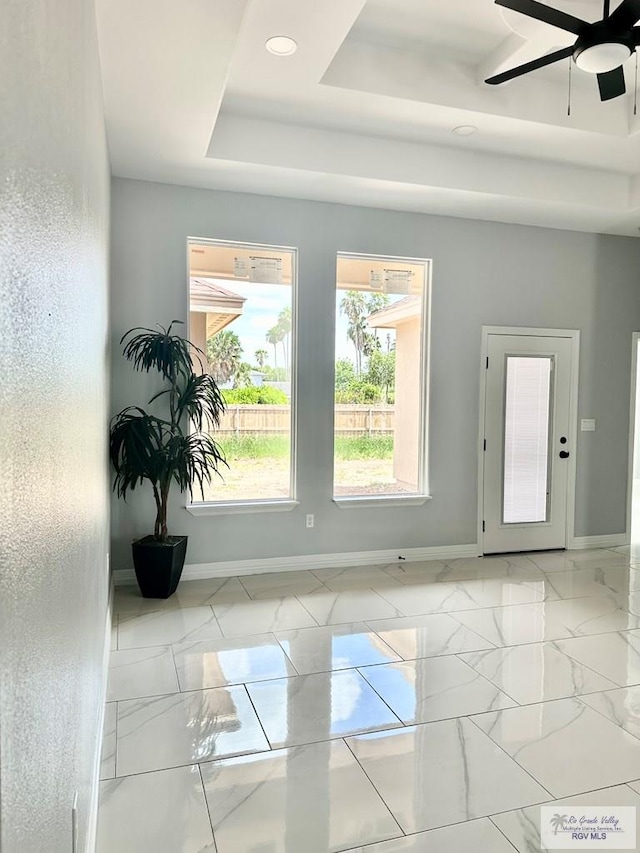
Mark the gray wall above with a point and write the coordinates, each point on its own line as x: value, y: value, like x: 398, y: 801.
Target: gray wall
x: 54, y: 219
x: 483, y: 273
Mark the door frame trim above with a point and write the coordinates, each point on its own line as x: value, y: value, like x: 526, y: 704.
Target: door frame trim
x: 635, y: 368
x: 524, y: 331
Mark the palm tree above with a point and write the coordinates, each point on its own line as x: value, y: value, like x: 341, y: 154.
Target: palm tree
x: 242, y: 376
x: 273, y: 338
x: 376, y: 302
x: 353, y: 306
x: 261, y: 355
x: 224, y: 353
x: 557, y: 822
x: 284, y: 325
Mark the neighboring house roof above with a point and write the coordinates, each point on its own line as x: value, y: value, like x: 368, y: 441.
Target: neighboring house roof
x: 221, y: 306
x: 393, y: 315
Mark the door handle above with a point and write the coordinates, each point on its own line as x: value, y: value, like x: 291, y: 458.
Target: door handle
x: 564, y: 454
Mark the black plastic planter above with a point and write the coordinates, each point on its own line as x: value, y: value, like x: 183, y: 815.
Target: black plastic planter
x: 159, y: 565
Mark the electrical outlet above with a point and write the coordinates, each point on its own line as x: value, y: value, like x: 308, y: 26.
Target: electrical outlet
x: 310, y: 520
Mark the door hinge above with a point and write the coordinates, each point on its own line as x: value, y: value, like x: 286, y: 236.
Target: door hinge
x: 484, y: 444
x: 483, y: 527
x: 487, y: 364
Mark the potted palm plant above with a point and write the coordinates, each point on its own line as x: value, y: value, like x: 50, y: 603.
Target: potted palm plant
x: 171, y: 447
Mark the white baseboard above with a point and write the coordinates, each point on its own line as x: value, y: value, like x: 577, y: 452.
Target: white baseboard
x: 610, y: 540
x: 236, y: 568
x: 92, y: 825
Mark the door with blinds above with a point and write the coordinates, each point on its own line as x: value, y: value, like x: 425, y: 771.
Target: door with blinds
x: 526, y: 444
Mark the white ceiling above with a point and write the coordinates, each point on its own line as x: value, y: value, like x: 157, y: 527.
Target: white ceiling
x: 363, y: 112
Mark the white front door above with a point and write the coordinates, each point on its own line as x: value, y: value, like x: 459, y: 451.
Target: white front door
x: 527, y: 442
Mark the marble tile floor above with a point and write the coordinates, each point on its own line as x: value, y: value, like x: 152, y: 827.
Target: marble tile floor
x: 425, y: 707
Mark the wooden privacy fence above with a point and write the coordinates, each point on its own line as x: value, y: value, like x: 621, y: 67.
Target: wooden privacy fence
x: 349, y: 420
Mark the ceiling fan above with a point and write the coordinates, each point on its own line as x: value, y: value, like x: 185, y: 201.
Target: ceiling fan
x: 600, y: 48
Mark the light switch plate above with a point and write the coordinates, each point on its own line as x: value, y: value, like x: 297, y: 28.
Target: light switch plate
x: 588, y: 425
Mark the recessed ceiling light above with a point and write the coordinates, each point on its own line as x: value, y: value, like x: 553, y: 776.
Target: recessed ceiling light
x: 281, y: 45
x: 465, y: 130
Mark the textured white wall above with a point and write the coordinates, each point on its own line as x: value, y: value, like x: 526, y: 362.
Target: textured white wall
x: 54, y: 194
x: 483, y: 273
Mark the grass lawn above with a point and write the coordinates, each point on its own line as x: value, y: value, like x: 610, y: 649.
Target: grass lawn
x: 240, y: 447
x: 259, y: 467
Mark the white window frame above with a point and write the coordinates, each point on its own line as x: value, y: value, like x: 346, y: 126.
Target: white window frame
x: 423, y: 494
x: 244, y: 505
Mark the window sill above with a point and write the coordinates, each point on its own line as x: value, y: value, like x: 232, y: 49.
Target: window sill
x: 383, y: 500
x: 235, y: 507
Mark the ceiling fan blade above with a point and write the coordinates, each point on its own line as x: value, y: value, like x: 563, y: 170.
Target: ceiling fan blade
x: 627, y: 14
x: 530, y: 66
x: 611, y: 84
x: 636, y: 35
x: 555, y: 17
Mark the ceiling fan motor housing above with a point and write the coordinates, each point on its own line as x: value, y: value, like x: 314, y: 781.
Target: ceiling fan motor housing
x: 600, y: 48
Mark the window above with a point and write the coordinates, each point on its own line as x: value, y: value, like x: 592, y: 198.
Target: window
x: 527, y: 414
x: 381, y: 376
x: 242, y: 315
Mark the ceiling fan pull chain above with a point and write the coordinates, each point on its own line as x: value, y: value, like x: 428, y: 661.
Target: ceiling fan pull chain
x: 635, y: 89
x: 569, y: 100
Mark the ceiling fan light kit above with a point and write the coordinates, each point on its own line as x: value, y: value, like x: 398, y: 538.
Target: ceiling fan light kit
x: 600, y: 48
x: 601, y: 58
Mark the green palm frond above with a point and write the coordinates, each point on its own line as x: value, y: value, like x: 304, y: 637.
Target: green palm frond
x: 200, y: 399
x: 170, y: 354
x: 193, y: 459
x: 135, y: 441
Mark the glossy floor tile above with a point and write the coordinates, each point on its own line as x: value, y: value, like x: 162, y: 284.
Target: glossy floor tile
x: 480, y: 835
x: 410, y: 707
x: 549, y: 620
x: 462, y: 595
x: 334, y: 647
x: 621, y: 706
x: 183, y: 728
x: 309, y: 799
x: 536, y: 673
x: 161, y: 812
x: 108, y: 756
x: 262, y: 617
x: 522, y: 827
x: 617, y: 584
x: 127, y: 599
x: 615, y: 655
x: 133, y: 673
x: 429, y: 689
x: 350, y: 573
x: 332, y: 608
x: 359, y: 578
x: 442, y: 773
x: 565, y: 745
x: 281, y: 584
x: 558, y: 561
x: 210, y: 591
x: 309, y: 708
x: 427, y: 636
x: 516, y: 567
x: 216, y: 663
x: 168, y: 626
